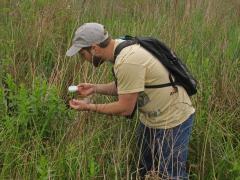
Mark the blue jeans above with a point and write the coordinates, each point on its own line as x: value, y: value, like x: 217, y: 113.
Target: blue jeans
x: 164, y: 151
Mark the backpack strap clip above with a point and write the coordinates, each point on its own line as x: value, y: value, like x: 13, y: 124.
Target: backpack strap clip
x: 173, y: 83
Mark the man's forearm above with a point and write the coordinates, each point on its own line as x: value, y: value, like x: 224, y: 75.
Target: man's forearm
x: 114, y: 108
x: 124, y: 106
x: 106, y: 89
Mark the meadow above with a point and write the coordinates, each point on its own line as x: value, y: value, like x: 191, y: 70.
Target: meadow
x: 42, y: 138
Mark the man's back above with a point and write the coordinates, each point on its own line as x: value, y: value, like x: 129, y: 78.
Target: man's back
x: 160, y: 108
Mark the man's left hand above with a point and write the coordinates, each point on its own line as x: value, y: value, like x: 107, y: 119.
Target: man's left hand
x: 80, y: 105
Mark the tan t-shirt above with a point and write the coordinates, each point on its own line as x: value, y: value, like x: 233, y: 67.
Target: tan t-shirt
x: 134, y: 68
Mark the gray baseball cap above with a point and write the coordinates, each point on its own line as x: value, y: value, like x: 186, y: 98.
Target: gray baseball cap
x: 86, y: 35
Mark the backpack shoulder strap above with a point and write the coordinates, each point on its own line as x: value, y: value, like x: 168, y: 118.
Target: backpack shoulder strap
x: 123, y: 45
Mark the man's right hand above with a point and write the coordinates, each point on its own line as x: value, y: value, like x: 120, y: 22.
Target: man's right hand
x: 86, y: 89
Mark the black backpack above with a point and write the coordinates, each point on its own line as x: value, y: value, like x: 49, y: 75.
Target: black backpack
x: 175, y: 66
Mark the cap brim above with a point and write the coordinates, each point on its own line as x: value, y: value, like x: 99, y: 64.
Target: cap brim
x: 72, y: 51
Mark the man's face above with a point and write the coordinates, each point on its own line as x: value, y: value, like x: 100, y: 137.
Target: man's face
x: 91, y: 57
x: 86, y: 55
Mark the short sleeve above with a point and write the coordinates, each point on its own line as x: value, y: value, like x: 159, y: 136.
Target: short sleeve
x: 130, y: 78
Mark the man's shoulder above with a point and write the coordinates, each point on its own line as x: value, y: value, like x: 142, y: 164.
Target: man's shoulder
x: 133, y: 54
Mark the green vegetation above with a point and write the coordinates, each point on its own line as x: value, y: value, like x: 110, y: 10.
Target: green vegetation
x: 41, y: 138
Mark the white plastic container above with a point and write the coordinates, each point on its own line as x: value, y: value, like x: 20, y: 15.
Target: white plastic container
x: 72, y: 89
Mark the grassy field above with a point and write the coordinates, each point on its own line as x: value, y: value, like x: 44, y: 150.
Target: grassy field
x: 41, y: 138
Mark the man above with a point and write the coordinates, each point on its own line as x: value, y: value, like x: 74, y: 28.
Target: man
x: 166, y: 115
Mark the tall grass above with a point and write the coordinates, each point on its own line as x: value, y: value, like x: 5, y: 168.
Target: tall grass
x: 42, y: 138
